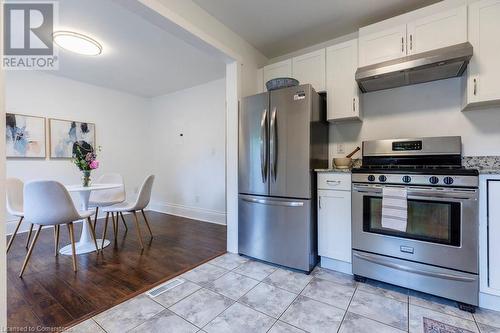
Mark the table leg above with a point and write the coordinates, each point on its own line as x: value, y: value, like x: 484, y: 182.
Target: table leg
x: 86, y: 243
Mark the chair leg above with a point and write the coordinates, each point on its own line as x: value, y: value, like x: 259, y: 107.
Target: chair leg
x: 95, y: 217
x: 123, y: 220
x: 147, y: 223
x: 30, y: 251
x: 29, y: 235
x: 72, y: 237
x: 138, y: 229
x: 14, y: 234
x: 92, y: 231
x: 57, y: 228
x: 115, y: 226
x: 104, y: 231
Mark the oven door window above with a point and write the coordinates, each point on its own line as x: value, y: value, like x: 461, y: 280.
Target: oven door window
x: 431, y: 221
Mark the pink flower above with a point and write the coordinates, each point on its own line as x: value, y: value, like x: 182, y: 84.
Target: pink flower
x: 94, y: 164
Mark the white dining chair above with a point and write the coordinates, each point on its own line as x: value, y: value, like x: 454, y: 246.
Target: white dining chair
x: 14, y: 194
x: 48, y: 203
x: 99, y: 199
x: 140, y: 203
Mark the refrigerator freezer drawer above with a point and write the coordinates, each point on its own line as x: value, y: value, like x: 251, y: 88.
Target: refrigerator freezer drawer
x: 277, y: 230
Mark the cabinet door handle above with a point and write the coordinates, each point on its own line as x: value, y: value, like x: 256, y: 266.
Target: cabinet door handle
x: 319, y: 202
x: 354, y: 104
x: 411, y: 42
x: 402, y: 44
x: 475, y: 86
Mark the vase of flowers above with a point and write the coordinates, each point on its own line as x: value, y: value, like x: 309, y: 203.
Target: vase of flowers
x: 85, y: 159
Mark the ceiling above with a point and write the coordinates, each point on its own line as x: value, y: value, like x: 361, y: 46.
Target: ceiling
x: 277, y: 27
x: 138, y: 57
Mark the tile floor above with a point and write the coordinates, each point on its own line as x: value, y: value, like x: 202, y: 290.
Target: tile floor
x: 235, y: 294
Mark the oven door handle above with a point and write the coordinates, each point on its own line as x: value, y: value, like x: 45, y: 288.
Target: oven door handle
x: 404, y: 268
x: 423, y: 193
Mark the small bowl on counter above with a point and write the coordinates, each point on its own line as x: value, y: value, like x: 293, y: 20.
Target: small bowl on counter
x: 342, y: 162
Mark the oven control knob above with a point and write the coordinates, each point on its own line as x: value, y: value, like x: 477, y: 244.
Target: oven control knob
x: 371, y: 178
x: 382, y: 178
x: 434, y: 180
x: 406, y: 179
x: 448, y: 180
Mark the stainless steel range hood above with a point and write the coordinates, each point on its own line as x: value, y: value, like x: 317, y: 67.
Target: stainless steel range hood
x: 428, y: 66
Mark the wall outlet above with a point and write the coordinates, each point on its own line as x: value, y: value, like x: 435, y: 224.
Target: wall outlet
x: 340, y: 148
x: 180, y: 139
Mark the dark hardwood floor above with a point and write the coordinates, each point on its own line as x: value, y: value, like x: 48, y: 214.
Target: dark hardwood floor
x: 50, y: 294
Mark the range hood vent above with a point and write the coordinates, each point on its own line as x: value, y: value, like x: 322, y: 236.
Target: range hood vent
x: 428, y: 66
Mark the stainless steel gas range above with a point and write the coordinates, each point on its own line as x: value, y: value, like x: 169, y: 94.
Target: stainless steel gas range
x: 438, y: 251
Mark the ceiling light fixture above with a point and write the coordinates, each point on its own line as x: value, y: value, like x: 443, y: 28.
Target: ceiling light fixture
x: 77, y: 43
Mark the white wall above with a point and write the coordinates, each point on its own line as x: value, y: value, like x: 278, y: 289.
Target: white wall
x: 192, y: 166
x: 429, y: 109
x: 120, y: 118
x: 200, y: 28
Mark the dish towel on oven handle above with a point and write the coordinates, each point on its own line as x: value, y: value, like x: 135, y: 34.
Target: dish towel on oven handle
x: 394, y: 208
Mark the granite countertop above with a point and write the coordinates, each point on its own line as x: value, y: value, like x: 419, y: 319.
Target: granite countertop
x: 334, y: 170
x: 486, y: 165
x: 492, y: 171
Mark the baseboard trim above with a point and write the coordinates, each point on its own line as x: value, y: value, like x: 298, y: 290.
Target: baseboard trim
x: 10, y: 226
x: 336, y: 265
x: 195, y: 213
x: 25, y: 227
x: 491, y: 302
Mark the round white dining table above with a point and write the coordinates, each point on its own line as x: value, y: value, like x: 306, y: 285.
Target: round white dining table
x: 86, y: 243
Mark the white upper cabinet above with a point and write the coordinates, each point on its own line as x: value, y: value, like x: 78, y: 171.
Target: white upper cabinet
x: 342, y: 89
x: 276, y: 70
x: 420, y: 33
x: 438, y: 30
x: 483, y: 77
x: 383, y: 45
x: 310, y: 68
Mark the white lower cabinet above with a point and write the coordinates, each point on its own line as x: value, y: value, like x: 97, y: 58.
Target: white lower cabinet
x: 334, y: 221
x: 489, y: 241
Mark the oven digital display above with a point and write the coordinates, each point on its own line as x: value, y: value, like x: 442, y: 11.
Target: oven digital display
x: 406, y: 145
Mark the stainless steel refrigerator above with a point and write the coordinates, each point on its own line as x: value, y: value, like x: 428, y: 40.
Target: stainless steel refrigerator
x: 283, y: 137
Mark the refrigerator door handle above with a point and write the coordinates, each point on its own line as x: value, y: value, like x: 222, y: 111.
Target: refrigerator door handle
x: 274, y: 202
x: 263, y: 146
x: 273, y: 144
